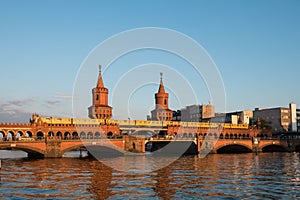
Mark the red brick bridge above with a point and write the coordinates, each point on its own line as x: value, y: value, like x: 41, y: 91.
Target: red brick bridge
x: 52, y: 137
x: 56, y: 147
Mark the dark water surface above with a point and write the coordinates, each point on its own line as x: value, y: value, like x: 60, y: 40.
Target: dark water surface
x: 217, y: 176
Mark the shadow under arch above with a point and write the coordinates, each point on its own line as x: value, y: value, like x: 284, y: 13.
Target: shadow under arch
x: 274, y: 148
x: 97, y: 151
x: 234, y: 148
x: 297, y: 148
x: 31, y: 151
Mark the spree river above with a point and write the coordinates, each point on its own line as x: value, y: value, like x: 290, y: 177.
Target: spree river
x: 217, y: 176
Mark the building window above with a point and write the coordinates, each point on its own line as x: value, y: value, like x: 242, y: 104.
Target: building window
x: 165, y: 102
x: 97, y: 97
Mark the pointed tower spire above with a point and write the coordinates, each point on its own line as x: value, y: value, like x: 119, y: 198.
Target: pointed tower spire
x: 161, y: 111
x: 100, y: 108
x: 100, y: 83
x: 161, y: 88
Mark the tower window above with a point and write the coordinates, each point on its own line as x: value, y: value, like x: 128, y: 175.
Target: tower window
x: 165, y: 102
x: 97, y: 97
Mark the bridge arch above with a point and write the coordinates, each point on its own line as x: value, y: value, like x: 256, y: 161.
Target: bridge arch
x: 273, y: 148
x: 26, y: 148
x: 72, y: 148
x: 29, y: 149
x: 90, y: 148
x: 233, y: 148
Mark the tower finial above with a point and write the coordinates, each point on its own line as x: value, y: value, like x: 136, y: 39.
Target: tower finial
x: 161, y: 74
x: 100, y: 69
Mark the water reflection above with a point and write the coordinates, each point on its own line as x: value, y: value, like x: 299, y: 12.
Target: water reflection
x: 267, y: 175
x: 101, y: 180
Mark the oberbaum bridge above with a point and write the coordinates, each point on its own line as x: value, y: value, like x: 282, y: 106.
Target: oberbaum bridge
x: 52, y: 137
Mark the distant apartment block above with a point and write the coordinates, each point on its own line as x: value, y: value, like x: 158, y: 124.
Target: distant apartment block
x: 239, y: 117
x: 279, y: 119
x: 196, y: 113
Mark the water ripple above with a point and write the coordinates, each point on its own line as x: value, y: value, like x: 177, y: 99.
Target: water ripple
x: 235, y: 176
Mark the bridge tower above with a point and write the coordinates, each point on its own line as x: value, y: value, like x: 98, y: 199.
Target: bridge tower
x: 100, y: 108
x: 161, y: 111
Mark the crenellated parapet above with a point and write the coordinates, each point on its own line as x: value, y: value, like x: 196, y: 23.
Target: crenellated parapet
x: 12, y: 125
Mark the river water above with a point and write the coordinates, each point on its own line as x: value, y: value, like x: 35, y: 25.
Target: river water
x: 217, y: 176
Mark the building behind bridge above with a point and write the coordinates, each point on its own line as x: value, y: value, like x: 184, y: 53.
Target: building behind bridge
x: 280, y: 119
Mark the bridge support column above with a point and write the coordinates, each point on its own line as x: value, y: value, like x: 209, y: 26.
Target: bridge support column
x: 134, y: 144
x: 255, y: 146
x: 291, y: 146
x: 53, y: 149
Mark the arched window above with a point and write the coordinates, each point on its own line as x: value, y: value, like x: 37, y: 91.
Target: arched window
x: 109, y: 134
x: 90, y: 135
x: 74, y: 135
x: 40, y: 135
x: 28, y: 134
x: 165, y: 102
x: 10, y: 136
x: 82, y: 135
x: 97, y: 135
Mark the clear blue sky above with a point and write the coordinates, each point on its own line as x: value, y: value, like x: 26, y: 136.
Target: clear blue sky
x: 255, y: 45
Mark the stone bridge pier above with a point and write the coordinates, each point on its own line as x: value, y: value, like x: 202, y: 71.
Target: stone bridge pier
x: 134, y: 144
x: 53, y: 149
